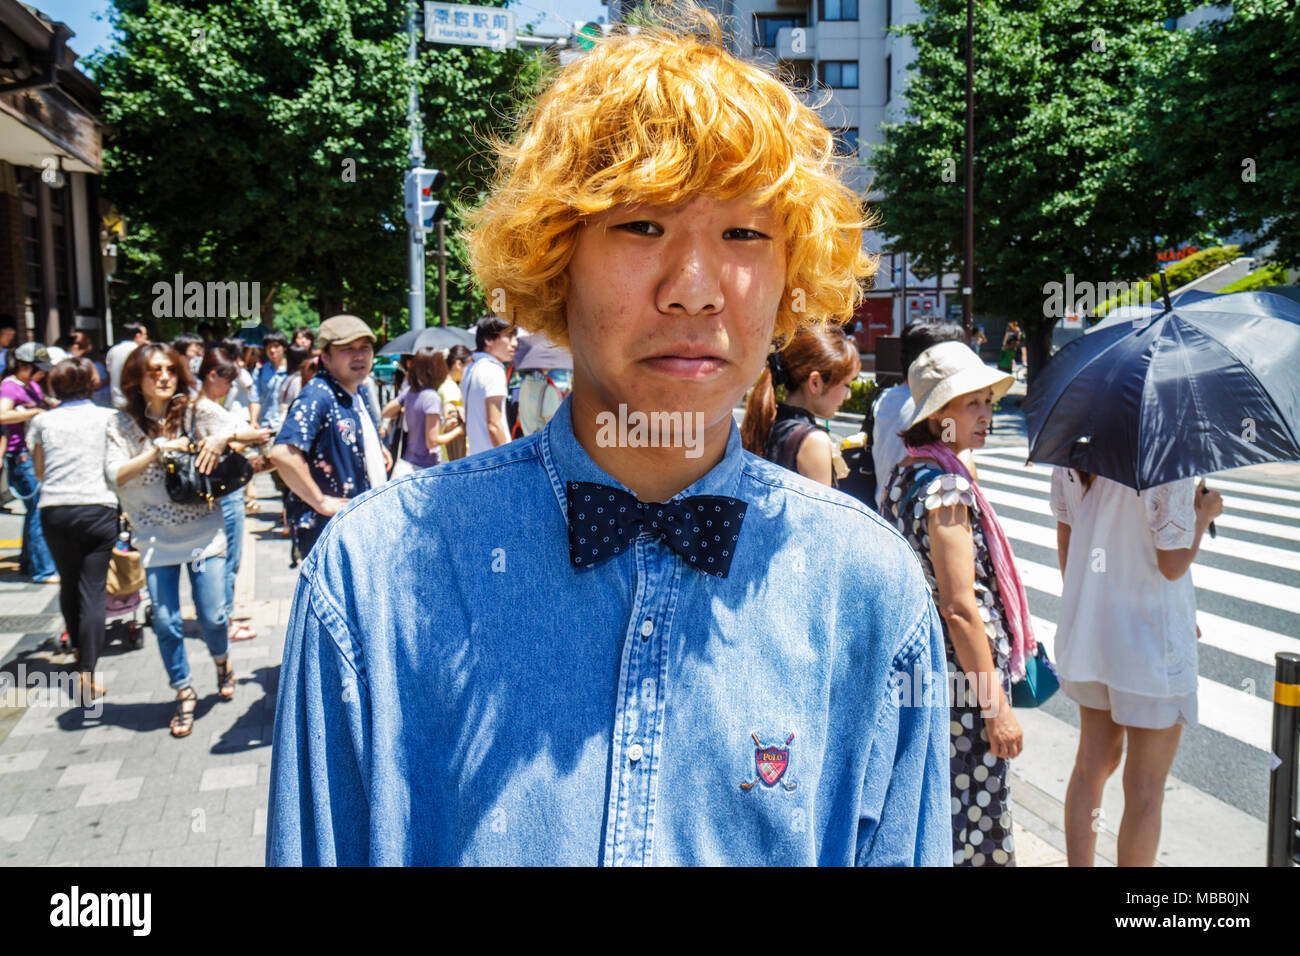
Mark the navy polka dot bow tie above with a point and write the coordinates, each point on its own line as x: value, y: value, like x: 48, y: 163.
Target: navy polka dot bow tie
x: 604, y: 520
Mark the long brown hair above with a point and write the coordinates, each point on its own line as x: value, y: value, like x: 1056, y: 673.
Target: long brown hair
x: 824, y: 349
x: 428, y: 369
x: 133, y: 373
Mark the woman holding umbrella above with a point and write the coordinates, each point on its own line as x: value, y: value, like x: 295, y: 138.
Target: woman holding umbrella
x: 937, y: 505
x: 1130, y: 412
x: 1126, y: 645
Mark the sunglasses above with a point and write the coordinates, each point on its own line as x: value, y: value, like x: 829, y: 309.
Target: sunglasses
x: 157, y: 372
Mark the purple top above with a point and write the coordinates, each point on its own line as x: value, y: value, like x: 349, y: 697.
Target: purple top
x: 23, y: 396
x: 418, y: 407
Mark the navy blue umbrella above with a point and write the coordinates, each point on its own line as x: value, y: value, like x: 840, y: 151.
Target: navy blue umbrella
x: 1205, y: 387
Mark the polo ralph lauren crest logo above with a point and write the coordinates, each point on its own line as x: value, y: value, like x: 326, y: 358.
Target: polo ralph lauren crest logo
x: 771, y: 764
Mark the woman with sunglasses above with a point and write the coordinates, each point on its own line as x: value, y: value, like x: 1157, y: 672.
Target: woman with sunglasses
x: 157, y: 385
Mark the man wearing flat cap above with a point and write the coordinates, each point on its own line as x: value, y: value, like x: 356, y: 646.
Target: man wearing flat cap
x: 328, y: 449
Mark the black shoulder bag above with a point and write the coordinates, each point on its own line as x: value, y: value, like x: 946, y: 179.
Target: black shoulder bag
x: 186, y: 485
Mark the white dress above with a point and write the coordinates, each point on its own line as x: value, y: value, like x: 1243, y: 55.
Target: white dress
x: 1122, y: 622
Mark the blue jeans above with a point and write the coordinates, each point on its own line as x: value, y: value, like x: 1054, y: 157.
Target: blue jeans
x: 36, y: 560
x: 207, y: 582
x: 232, y: 510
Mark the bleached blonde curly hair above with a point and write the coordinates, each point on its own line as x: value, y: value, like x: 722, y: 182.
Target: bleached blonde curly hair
x: 660, y: 117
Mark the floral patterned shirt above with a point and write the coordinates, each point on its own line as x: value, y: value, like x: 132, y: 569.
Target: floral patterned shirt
x: 913, y: 492
x: 324, y: 423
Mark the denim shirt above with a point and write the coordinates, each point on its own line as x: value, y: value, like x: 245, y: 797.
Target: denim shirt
x: 454, y: 691
x: 324, y: 423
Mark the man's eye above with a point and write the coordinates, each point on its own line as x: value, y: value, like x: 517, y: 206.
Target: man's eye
x: 745, y: 234
x: 641, y: 227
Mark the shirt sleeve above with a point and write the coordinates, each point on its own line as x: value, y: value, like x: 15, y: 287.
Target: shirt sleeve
x: 494, y: 381
x: 430, y: 402
x: 319, y: 809
x: 907, y: 818
x: 34, y: 430
x: 1171, y: 514
x: 117, y: 451
x: 1060, y: 500
x: 304, y: 420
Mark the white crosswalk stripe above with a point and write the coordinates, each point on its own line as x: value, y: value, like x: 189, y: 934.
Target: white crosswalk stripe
x: 1234, y: 711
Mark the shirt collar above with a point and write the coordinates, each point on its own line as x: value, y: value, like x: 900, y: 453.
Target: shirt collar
x: 342, y: 394
x: 566, y: 460
x: 486, y: 355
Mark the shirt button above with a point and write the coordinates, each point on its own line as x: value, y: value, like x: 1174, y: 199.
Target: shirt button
x: 647, y: 627
x: 635, y: 753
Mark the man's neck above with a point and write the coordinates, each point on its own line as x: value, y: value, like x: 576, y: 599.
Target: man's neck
x: 652, y: 474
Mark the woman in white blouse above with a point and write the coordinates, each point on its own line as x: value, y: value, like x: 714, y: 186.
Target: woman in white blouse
x: 1126, y: 645
x: 156, y: 383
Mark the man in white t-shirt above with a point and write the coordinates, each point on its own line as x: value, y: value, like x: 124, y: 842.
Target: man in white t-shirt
x: 894, y: 409
x: 484, y: 385
x: 134, y: 334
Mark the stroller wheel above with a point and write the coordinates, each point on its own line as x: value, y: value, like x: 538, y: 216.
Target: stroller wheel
x: 148, y: 616
x: 134, y: 636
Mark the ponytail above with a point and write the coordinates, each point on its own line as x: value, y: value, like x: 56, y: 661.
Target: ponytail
x: 760, y: 413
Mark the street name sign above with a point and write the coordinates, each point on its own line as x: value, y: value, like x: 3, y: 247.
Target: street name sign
x: 471, y: 26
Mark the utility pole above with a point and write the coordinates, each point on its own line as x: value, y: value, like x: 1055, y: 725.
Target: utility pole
x: 415, y: 295
x: 968, y: 237
x: 442, y: 271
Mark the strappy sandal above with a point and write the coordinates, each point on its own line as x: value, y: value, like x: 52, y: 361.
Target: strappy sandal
x: 225, y: 679
x: 182, y: 722
x: 242, y: 631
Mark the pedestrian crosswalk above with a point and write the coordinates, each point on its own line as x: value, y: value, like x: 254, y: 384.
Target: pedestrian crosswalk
x: 1248, y: 608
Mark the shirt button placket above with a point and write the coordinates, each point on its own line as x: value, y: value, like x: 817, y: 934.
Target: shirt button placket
x: 636, y: 723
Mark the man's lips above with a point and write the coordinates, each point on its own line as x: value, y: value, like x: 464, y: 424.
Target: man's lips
x: 685, y: 366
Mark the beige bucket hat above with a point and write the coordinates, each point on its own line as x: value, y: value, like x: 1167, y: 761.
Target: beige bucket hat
x: 944, y: 371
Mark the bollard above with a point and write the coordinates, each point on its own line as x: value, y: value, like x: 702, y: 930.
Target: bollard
x: 1283, y: 826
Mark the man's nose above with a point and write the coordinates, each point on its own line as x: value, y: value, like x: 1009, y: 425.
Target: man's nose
x: 692, y: 282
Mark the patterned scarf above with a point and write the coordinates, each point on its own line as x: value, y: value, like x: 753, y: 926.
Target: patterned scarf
x: 1014, y: 601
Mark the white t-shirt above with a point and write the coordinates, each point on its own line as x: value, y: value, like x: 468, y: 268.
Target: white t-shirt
x: 371, y: 450
x: 894, y: 409
x: 1122, y: 622
x: 484, y: 379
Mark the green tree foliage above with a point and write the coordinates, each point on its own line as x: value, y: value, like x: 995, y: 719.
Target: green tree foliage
x: 1060, y: 183
x: 266, y: 141
x: 1226, y: 124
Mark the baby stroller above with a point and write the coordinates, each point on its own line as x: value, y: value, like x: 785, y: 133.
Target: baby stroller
x: 123, y: 619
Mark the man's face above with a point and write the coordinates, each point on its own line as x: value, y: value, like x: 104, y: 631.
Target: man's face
x: 503, y: 347
x: 7, y: 337
x: 141, y: 337
x: 350, y: 362
x: 275, y: 354
x: 672, y: 309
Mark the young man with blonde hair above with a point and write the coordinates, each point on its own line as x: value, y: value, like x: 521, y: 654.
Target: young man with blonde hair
x: 629, y: 654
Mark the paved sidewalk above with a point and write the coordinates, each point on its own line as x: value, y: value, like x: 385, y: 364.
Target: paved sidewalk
x: 109, y: 785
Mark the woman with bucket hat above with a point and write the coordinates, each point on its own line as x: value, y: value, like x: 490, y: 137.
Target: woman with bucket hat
x: 937, y: 505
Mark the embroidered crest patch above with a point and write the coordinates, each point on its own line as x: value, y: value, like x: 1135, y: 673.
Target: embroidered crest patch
x: 771, y: 763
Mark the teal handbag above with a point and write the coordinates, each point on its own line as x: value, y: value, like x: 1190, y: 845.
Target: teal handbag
x: 1039, y: 684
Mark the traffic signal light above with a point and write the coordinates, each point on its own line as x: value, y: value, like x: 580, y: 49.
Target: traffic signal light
x: 422, y: 210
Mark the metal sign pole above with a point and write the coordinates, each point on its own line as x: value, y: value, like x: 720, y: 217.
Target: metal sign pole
x: 415, y: 297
